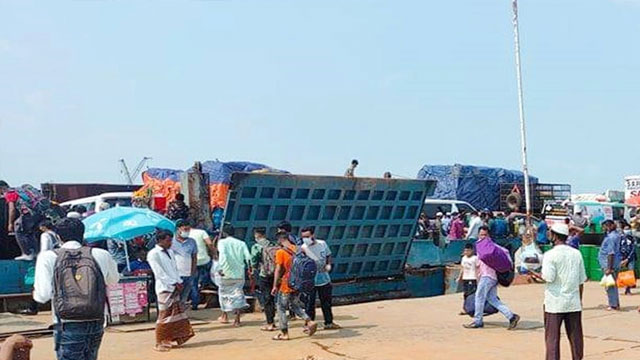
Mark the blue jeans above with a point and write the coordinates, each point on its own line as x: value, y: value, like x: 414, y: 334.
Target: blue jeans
x: 612, y: 293
x: 487, y: 291
x: 187, y: 282
x: 201, y: 277
x: 78, y: 340
x: 292, y: 302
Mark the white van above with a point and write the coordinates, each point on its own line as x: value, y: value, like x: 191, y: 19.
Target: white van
x: 92, y: 203
x: 433, y: 206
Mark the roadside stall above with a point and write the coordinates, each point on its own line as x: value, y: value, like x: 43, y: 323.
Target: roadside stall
x: 129, y: 300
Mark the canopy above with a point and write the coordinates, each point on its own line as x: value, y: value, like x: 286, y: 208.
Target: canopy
x: 124, y: 223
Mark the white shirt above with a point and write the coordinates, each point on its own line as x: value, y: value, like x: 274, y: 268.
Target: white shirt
x: 45, y: 268
x: 563, y: 270
x: 164, y: 269
x: 474, y: 227
x: 319, y: 252
x: 469, y: 267
x: 203, y: 251
x: 48, y: 241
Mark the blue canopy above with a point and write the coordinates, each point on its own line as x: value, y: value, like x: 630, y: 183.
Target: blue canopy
x: 124, y: 223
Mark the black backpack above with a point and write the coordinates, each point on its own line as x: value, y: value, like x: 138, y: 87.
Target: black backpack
x: 79, y: 290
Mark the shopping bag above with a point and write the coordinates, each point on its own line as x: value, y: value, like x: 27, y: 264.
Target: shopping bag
x: 608, y: 281
x: 626, y: 279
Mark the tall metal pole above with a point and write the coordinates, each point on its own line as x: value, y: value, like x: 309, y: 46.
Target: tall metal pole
x: 523, y: 133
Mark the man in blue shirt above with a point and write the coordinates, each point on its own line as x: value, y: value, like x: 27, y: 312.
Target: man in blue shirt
x: 542, y: 232
x: 609, y: 259
x: 186, y: 252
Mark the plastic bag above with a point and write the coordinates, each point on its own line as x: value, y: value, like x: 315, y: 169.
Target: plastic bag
x: 626, y: 279
x: 608, y: 281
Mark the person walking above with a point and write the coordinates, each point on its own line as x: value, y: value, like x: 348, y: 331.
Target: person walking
x: 234, y: 260
x: 564, y: 274
x: 78, y: 321
x: 319, y: 251
x: 628, y: 252
x: 203, y: 264
x: 288, y: 298
x: 186, y: 257
x: 172, y: 327
x: 609, y: 258
x: 263, y: 261
x: 487, y: 291
x: 468, y: 276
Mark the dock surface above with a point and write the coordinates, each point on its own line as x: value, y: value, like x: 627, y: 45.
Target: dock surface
x: 426, y: 328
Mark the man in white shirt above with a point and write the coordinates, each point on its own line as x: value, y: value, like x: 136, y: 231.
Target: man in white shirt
x: 73, y: 339
x: 474, y: 226
x: 203, y: 264
x: 172, y: 326
x: 564, y: 274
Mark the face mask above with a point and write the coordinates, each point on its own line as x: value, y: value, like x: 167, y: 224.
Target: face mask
x: 307, y: 240
x: 627, y: 232
x: 184, y: 234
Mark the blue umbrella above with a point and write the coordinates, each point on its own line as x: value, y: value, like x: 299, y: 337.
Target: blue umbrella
x: 124, y: 223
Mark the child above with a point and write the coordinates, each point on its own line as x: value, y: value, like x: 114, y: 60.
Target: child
x: 468, y: 275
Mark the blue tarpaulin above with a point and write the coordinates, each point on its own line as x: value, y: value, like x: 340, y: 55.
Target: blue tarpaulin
x: 219, y: 172
x: 477, y: 185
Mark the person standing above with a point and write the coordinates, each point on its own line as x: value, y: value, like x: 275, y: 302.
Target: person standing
x: 351, y: 170
x: 468, y: 275
x: 78, y: 321
x: 446, y: 225
x: 203, y: 264
x: 319, y: 251
x: 186, y: 255
x: 579, y: 220
x: 487, y: 291
x: 263, y: 261
x: 234, y: 260
x: 499, y: 227
x: 542, y: 229
x: 474, y: 226
x: 628, y: 252
x: 609, y: 259
x: 288, y: 298
x: 437, y: 229
x: 117, y: 250
x: 457, y: 228
x: 564, y: 275
x: 172, y: 326
x: 177, y: 209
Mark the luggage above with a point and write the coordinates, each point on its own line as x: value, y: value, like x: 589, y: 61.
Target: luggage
x: 506, y: 278
x: 494, y: 255
x: 79, y: 291
x: 303, y: 273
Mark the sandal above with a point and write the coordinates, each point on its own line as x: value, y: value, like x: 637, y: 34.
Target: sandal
x: 280, y: 337
x: 269, y: 328
x: 162, y: 348
x: 312, y: 329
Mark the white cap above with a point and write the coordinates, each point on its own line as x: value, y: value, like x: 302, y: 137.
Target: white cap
x: 561, y: 229
x: 438, y: 213
x: 74, y: 215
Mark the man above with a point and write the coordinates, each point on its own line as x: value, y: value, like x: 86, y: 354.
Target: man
x: 446, y: 225
x: 499, y: 227
x: 10, y: 197
x: 117, y: 250
x: 564, y: 275
x: 351, y: 170
x: 263, y: 261
x: 487, y: 291
x: 579, y: 220
x: 172, y: 326
x: 203, y: 264
x: 474, y: 226
x: 423, y: 227
x: 186, y: 257
x: 319, y: 251
x: 177, y: 209
x: 234, y: 259
x: 609, y: 258
x: 456, y: 232
x: 437, y: 228
x: 285, y: 227
x: 75, y: 337
x: 287, y: 297
x: 542, y: 228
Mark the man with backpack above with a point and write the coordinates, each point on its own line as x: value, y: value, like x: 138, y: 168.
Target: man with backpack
x: 263, y: 261
x: 294, y: 273
x: 75, y: 278
x: 487, y: 290
x: 319, y: 251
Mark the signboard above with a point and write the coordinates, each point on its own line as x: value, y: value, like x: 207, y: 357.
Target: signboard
x: 127, y: 299
x: 632, y: 190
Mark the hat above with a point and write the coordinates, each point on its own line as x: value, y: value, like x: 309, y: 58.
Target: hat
x: 560, y: 229
x: 439, y: 214
x: 449, y: 214
x: 607, y: 221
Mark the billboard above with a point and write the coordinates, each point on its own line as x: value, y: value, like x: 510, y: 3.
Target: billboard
x: 632, y: 190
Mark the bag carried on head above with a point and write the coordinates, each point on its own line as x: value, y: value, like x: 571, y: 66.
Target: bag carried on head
x: 494, y: 255
x: 303, y: 272
x: 79, y: 291
x: 268, y: 265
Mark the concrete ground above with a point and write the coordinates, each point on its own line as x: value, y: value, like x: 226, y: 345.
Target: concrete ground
x: 427, y: 328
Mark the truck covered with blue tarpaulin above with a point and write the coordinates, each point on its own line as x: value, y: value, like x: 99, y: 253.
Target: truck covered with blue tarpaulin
x: 477, y: 185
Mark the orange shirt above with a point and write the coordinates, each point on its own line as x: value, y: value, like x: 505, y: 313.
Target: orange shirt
x: 285, y: 259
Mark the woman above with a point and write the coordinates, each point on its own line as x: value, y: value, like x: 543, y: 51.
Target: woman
x: 628, y: 252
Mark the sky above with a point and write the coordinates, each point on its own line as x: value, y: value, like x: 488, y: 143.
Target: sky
x: 306, y: 86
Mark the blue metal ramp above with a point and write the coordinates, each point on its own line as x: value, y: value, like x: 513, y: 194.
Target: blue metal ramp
x: 368, y: 223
